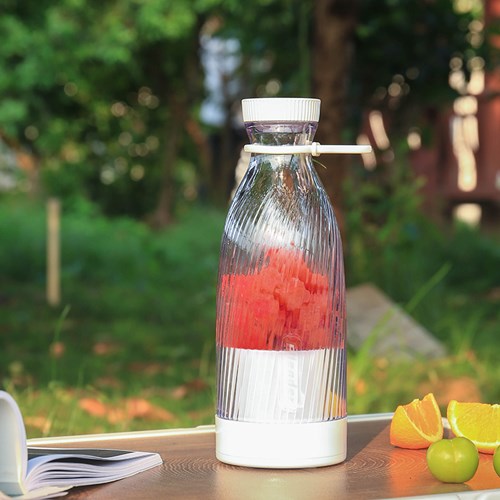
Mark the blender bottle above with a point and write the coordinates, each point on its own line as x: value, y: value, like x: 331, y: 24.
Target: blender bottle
x: 281, y: 320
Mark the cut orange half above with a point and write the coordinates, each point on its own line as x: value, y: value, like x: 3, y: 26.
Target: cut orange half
x: 478, y: 422
x: 417, y: 424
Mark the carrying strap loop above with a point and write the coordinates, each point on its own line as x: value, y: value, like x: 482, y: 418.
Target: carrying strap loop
x: 314, y: 149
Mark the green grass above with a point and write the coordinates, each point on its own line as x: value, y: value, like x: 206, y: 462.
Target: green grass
x: 137, y: 317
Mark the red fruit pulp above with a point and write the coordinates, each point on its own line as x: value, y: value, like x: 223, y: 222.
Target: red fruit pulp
x: 281, y: 306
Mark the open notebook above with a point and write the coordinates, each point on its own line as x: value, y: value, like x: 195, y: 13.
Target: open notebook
x: 31, y: 473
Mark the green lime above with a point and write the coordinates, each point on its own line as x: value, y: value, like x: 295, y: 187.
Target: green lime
x: 496, y: 461
x: 453, y: 460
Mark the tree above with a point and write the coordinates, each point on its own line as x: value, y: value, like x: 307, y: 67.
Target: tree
x: 358, y: 54
x: 390, y: 55
x: 101, y: 93
x: 106, y: 95
x: 334, y: 25
x: 403, y: 54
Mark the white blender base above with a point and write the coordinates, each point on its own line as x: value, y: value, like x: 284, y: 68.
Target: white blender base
x: 281, y: 446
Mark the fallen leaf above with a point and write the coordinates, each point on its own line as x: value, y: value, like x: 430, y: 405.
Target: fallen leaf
x: 117, y: 415
x: 57, y: 349
x: 104, y: 348
x: 41, y: 423
x: 179, y: 392
x: 142, y: 409
x: 93, y: 407
x: 193, y: 386
x: 125, y: 410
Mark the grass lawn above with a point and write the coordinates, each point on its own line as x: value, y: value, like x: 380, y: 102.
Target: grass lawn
x: 132, y: 344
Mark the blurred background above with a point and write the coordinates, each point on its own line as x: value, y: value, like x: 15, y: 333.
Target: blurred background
x: 120, y: 133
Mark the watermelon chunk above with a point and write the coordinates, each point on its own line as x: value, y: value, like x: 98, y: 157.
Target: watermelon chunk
x: 279, y: 306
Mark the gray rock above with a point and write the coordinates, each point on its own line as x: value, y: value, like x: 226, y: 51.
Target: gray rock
x: 373, y: 318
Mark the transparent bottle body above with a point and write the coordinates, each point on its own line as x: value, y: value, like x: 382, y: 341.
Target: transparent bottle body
x: 280, y: 330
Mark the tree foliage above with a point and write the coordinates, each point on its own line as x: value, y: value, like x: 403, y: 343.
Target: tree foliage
x: 106, y: 94
x: 403, y: 54
x: 96, y: 91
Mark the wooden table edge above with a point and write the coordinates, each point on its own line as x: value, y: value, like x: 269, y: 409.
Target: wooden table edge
x: 47, y: 441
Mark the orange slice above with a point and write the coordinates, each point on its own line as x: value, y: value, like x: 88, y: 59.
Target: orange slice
x: 478, y: 422
x: 417, y: 424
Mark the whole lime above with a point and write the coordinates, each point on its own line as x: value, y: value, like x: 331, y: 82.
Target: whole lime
x: 453, y: 460
x: 496, y: 461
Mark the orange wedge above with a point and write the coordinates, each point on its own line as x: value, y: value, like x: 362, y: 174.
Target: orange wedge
x: 478, y: 422
x: 417, y: 424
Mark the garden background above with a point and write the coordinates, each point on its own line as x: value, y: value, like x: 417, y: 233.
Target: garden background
x: 128, y: 113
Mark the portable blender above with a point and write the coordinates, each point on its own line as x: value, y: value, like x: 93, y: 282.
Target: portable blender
x: 280, y: 334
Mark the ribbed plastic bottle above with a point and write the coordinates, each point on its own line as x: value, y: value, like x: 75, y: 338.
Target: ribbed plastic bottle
x: 280, y: 333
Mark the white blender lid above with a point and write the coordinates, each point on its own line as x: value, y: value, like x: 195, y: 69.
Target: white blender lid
x: 272, y: 109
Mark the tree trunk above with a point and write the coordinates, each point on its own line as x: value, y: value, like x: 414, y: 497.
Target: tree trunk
x: 178, y: 91
x: 162, y: 215
x: 334, y: 23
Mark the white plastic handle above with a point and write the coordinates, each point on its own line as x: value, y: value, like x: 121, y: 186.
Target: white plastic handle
x: 314, y: 149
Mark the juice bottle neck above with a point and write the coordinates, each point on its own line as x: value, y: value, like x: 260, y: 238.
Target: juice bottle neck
x: 280, y: 133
